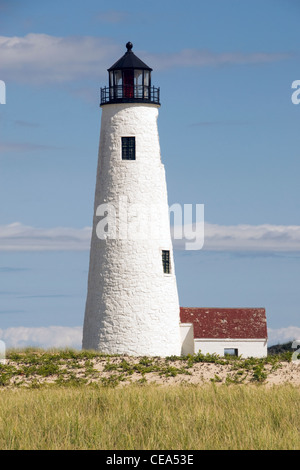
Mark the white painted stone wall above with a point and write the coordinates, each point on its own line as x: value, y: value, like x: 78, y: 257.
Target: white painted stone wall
x: 132, y: 306
x: 246, y: 347
x: 187, y: 338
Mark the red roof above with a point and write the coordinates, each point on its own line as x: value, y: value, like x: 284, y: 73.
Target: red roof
x: 226, y: 322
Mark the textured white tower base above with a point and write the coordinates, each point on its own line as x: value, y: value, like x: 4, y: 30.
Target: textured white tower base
x: 132, y: 305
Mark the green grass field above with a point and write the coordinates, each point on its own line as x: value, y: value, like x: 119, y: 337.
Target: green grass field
x: 72, y: 413
x: 150, y: 417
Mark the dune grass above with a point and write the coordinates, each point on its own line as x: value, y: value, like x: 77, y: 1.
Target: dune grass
x: 59, y: 400
x: 34, y: 367
x: 150, y: 417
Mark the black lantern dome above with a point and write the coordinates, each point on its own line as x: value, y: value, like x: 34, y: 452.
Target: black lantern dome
x: 129, y: 81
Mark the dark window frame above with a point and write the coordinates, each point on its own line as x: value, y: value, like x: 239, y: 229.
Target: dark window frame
x: 231, y: 352
x: 166, y: 261
x: 128, y: 148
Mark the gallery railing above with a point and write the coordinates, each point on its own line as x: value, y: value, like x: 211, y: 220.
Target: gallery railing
x: 130, y: 93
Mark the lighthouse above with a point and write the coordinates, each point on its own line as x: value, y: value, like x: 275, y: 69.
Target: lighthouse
x: 132, y: 304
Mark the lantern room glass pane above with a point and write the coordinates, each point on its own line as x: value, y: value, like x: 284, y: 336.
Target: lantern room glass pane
x: 138, y: 77
x: 138, y: 83
x: 111, y: 85
x: 118, y: 77
x: 128, y: 83
x: 146, y: 83
x: 118, y: 83
x: 146, y: 78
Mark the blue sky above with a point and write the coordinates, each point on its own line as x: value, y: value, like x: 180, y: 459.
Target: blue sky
x: 229, y: 136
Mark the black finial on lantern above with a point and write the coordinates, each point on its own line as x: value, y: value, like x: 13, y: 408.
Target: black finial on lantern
x: 129, y: 46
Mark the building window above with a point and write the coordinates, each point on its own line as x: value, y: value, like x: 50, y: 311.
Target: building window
x: 166, y: 261
x: 128, y: 148
x: 230, y: 352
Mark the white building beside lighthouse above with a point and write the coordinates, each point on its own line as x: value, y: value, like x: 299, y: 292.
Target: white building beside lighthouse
x: 132, y: 302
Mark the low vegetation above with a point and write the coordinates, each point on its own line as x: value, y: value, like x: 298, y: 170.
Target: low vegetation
x: 86, y: 400
x: 35, y: 368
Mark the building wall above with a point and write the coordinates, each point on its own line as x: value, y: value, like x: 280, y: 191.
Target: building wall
x: 246, y: 347
x: 187, y: 338
x: 132, y: 306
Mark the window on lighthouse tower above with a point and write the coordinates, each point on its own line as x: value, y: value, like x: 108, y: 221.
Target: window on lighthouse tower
x: 166, y: 261
x: 128, y: 148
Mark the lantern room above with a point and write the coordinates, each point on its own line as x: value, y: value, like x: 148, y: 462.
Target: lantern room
x: 129, y: 81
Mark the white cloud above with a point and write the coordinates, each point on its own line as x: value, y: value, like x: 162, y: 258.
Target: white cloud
x: 283, y: 335
x: 43, y: 337
x: 6, y: 147
x: 258, y: 238
x: 42, y: 58
x: 232, y: 238
x: 19, y: 237
x: 71, y: 337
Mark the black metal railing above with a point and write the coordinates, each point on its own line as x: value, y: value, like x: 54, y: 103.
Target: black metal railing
x: 130, y: 94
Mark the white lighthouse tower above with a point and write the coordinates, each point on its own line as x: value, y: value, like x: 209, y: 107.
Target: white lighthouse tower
x: 132, y: 301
